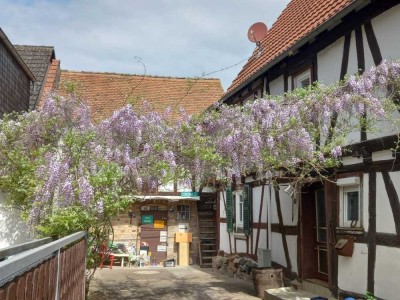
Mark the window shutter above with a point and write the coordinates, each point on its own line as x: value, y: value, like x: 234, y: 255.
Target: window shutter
x: 229, y: 209
x: 247, y: 209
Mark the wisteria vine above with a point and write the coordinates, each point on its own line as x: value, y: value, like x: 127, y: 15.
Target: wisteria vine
x: 57, y: 159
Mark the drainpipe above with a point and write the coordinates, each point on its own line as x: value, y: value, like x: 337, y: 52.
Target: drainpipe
x: 269, y: 202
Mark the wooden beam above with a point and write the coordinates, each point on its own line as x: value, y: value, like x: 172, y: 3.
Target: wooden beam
x: 259, y: 216
x: 229, y: 234
x: 286, y: 229
x: 345, y: 57
x: 373, y: 43
x: 371, y: 233
x: 393, y: 199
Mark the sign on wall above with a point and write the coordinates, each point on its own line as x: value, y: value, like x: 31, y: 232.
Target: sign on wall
x: 147, y: 219
x: 159, y: 224
x: 161, y: 248
x: 189, y: 194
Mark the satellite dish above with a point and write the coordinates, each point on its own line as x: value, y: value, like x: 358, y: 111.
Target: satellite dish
x: 257, y: 32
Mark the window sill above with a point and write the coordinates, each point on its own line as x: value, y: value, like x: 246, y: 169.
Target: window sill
x: 239, y: 234
x: 350, y: 230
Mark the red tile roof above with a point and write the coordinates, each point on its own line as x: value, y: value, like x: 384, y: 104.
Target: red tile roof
x: 106, y: 92
x: 299, y: 19
x: 50, y: 81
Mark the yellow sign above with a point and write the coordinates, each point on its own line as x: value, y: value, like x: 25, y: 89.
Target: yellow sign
x: 159, y: 224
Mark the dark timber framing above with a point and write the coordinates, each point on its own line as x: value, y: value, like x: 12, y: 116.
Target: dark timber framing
x: 393, y: 199
x: 371, y: 232
x: 373, y: 43
x: 282, y: 229
x: 259, y: 216
x: 229, y: 234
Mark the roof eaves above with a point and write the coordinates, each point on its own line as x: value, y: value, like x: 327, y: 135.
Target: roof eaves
x: 356, y: 5
x: 14, y: 52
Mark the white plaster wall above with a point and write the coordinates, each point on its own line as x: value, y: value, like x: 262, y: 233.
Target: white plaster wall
x: 387, y: 270
x: 222, y: 210
x: 292, y: 246
x: 276, y: 87
x: 352, y: 271
x: 241, y: 246
x: 257, y: 191
x: 277, y: 252
x: 329, y: 62
x: 384, y: 215
x: 286, y: 207
x: 274, y: 211
x: 223, y: 238
x: 386, y: 27
x: 13, y: 230
x: 382, y: 155
x: 349, y: 160
x: 289, y: 83
x: 289, y: 209
x: 384, y: 127
x: 352, y: 67
x: 262, y: 243
x: 369, y: 60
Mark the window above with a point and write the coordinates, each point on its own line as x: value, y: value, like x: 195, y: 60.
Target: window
x: 302, y: 80
x: 239, y: 210
x: 183, y: 212
x: 351, y: 206
x: 350, y: 194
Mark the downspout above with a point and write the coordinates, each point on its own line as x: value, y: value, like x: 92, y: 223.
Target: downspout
x: 269, y: 205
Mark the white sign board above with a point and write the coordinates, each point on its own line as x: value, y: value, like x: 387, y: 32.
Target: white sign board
x: 161, y: 248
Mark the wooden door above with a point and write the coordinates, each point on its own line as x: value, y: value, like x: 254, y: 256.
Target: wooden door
x: 154, y: 232
x: 314, y: 234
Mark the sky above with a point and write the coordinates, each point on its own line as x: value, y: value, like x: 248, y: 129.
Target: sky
x: 178, y: 38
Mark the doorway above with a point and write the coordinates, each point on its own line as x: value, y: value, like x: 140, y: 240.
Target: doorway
x: 314, y: 237
x: 153, y: 234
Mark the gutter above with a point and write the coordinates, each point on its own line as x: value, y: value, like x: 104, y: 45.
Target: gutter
x: 15, y: 54
x: 329, y: 24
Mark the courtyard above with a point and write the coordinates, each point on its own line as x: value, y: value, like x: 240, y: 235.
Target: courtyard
x: 167, y: 283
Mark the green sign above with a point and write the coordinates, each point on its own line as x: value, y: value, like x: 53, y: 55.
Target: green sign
x: 189, y: 194
x: 147, y: 219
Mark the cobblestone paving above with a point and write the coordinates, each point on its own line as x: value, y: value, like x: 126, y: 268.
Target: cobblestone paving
x: 168, y: 283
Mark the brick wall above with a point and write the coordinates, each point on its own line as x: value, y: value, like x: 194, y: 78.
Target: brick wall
x: 126, y: 229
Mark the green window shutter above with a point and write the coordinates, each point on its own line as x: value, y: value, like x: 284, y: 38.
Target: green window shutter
x: 247, y: 209
x: 229, y: 209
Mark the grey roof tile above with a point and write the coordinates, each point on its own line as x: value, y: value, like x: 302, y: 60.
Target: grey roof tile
x: 38, y: 60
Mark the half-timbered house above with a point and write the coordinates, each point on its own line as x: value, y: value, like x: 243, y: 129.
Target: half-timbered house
x: 318, y: 40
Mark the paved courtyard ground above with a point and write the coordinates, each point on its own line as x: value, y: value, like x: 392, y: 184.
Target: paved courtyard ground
x: 168, y: 283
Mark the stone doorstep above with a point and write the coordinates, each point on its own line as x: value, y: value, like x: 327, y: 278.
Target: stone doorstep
x: 289, y: 293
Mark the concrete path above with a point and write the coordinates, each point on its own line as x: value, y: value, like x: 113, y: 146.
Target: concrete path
x: 168, y: 283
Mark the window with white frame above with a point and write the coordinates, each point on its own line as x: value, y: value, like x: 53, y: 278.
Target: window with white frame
x: 350, y: 201
x: 302, y: 79
x: 239, y: 209
x: 183, y: 212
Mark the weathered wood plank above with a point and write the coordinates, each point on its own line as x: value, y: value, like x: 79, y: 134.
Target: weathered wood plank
x: 21, y: 288
x: 11, y: 291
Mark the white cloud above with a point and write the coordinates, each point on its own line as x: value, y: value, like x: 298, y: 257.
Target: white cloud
x: 182, y: 38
